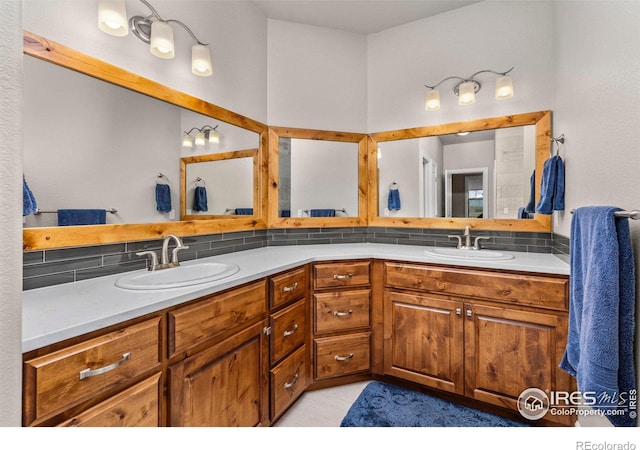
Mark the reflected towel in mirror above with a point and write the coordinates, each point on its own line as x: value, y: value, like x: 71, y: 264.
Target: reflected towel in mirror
x: 163, y: 197
x: 393, y: 201
x: 200, y: 199
x: 322, y: 213
x: 29, y: 205
x: 68, y: 217
x: 244, y: 211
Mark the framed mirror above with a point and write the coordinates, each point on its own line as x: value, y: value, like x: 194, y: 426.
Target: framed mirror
x: 484, y: 173
x: 215, y: 186
x: 317, y: 178
x: 172, y: 114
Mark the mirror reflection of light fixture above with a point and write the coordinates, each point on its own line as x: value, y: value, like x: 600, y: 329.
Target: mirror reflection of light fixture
x: 204, y: 134
x: 467, y: 88
x: 152, y: 30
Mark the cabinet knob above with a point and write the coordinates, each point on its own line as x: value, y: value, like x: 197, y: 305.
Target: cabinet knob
x: 458, y: 311
x: 469, y: 313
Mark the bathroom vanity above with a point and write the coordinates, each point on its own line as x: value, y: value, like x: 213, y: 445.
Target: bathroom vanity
x: 240, y: 351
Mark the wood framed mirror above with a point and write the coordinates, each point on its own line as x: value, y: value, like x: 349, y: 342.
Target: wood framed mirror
x: 317, y: 178
x: 48, y: 237
x: 423, y: 169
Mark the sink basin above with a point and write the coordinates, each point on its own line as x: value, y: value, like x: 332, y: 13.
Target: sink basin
x: 469, y: 255
x: 175, y: 277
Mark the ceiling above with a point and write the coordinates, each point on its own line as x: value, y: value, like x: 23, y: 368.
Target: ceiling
x: 356, y: 16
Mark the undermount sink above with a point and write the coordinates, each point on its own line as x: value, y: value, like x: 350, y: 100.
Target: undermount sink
x: 176, y: 277
x: 469, y: 255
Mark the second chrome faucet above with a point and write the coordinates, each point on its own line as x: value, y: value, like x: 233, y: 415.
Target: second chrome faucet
x: 165, y: 263
x: 467, y: 240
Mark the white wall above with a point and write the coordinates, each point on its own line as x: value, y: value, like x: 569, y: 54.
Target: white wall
x: 400, y: 162
x: 10, y: 221
x: 317, y: 78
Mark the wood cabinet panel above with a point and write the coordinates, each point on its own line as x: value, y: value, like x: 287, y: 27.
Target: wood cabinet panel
x: 288, y: 381
x: 288, y: 330
x: 342, y: 355
x: 137, y: 406
x: 223, y: 386
x: 423, y: 340
x: 210, y: 317
x: 288, y: 287
x: 527, y: 290
x: 341, y: 274
x: 64, y: 378
x: 341, y: 310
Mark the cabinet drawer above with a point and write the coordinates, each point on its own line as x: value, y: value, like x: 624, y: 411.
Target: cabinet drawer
x: 341, y: 311
x: 288, y: 381
x: 288, y: 330
x: 193, y: 324
x: 134, y: 407
x: 527, y: 290
x: 288, y: 287
x: 74, y: 374
x: 339, y: 274
x: 342, y: 355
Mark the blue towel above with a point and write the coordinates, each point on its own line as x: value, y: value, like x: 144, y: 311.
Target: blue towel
x: 393, y: 201
x: 523, y: 214
x: 163, y: 197
x: 599, y: 350
x: 552, y: 186
x: 531, y: 206
x: 200, y: 199
x: 244, y: 211
x: 81, y: 217
x: 285, y: 213
x: 323, y: 213
x: 29, y: 205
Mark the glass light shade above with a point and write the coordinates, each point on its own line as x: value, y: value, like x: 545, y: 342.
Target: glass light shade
x: 466, y: 93
x: 187, y: 141
x: 432, y: 100
x: 201, y: 60
x: 200, y: 139
x: 214, y: 137
x: 161, y: 44
x: 112, y: 17
x: 504, y: 87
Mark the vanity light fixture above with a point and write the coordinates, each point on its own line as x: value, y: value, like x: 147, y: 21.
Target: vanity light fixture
x: 204, y: 134
x: 467, y: 88
x: 152, y: 30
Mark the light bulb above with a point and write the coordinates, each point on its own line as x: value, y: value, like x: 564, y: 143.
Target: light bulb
x: 432, y: 100
x: 112, y: 17
x: 467, y: 93
x: 504, y: 87
x: 161, y: 44
x: 201, y: 60
x: 200, y: 139
x: 187, y: 141
x: 214, y: 137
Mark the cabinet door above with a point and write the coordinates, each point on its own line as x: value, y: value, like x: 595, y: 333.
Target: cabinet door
x: 423, y: 340
x: 223, y: 386
x: 508, y: 351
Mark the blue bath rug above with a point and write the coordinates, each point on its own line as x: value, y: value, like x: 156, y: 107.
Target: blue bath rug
x: 385, y: 405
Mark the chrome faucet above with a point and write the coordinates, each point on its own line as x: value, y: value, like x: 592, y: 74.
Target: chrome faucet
x: 467, y: 240
x: 164, y: 261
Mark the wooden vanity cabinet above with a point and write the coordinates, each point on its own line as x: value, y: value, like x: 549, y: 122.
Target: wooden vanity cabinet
x: 341, y: 319
x: 482, y: 334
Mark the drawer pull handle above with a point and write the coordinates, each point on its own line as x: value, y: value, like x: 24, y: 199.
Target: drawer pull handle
x: 343, y: 277
x: 343, y: 313
x: 293, y: 287
x: 344, y: 358
x: 290, y: 332
x: 458, y: 311
x: 293, y: 382
x: 88, y: 373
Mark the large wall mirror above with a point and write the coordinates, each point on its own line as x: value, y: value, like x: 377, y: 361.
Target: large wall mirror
x: 317, y: 178
x: 484, y: 173
x: 99, y: 137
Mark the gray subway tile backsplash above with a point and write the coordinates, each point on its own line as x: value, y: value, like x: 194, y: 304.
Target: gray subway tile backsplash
x: 51, y: 267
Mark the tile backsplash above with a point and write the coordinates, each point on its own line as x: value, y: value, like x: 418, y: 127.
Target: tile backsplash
x: 51, y: 267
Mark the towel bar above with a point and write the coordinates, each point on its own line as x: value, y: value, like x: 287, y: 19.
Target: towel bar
x: 634, y: 214
x: 40, y: 211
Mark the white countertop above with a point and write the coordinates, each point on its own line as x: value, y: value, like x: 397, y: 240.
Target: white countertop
x: 53, y: 314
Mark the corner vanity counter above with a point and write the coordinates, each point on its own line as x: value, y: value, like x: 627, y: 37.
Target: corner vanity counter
x: 286, y: 319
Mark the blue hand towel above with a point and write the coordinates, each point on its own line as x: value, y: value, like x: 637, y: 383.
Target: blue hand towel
x: 531, y: 205
x: 599, y: 350
x: 393, y: 201
x: 200, y: 199
x: 29, y: 205
x: 244, y: 211
x: 323, y: 213
x: 552, y: 186
x: 163, y: 197
x: 285, y: 213
x: 81, y: 217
